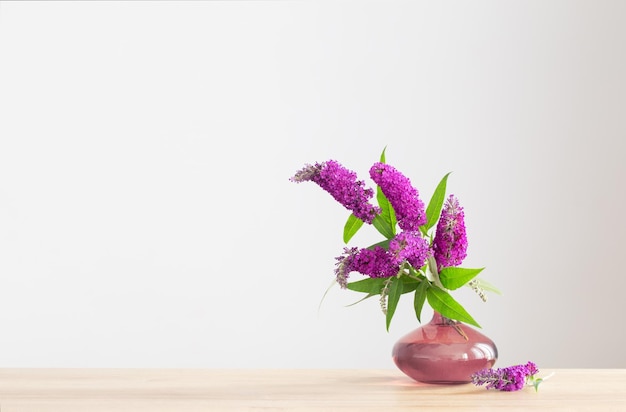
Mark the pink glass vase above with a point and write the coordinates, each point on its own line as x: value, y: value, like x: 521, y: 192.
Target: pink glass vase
x: 444, y: 351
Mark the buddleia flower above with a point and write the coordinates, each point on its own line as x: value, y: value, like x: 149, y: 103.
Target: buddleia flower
x: 450, y: 243
x: 343, y: 186
x: 404, y: 198
x: 512, y: 378
x: 376, y: 263
x: 409, y: 247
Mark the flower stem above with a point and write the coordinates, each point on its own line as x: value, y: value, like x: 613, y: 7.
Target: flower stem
x: 432, y: 268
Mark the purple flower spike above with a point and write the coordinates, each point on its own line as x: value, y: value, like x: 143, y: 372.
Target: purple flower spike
x: 344, y: 265
x: 410, y: 247
x: 450, y: 244
x: 508, y: 379
x: 343, y: 185
x: 401, y: 194
x: 375, y: 263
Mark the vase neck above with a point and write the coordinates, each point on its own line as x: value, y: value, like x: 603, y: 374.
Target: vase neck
x: 438, y: 319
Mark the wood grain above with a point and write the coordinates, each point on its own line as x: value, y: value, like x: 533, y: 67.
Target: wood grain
x: 183, y: 390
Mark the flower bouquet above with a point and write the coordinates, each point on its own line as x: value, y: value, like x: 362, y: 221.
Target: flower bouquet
x: 411, y: 258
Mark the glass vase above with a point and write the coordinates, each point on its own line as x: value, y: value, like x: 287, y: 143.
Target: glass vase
x: 444, y: 351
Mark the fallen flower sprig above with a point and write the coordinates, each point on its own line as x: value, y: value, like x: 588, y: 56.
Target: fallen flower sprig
x: 512, y: 378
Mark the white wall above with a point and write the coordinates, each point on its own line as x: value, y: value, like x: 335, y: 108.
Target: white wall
x: 146, y: 217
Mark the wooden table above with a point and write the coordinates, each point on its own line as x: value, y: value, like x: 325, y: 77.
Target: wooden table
x: 183, y: 390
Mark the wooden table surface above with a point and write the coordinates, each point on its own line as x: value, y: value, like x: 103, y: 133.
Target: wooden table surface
x: 183, y: 390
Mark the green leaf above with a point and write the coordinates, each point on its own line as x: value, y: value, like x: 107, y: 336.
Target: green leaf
x: 486, y: 286
x: 386, y: 210
x: 369, y: 285
x: 319, y: 307
x: 409, y: 284
x: 536, y: 382
x: 369, y: 295
x: 384, y: 244
x: 433, y: 211
x: 395, y: 291
x: 420, y: 298
x: 353, y: 224
x: 385, y: 223
x: 442, y: 302
x: 383, y: 227
x: 453, y: 277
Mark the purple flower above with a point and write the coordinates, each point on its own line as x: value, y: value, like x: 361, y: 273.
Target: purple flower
x: 375, y: 263
x: 410, y: 247
x: 450, y: 244
x: 343, y: 267
x: 531, y: 369
x: 509, y: 379
x: 343, y: 185
x: 403, y: 197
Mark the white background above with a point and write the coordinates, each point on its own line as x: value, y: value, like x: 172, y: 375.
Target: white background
x: 147, y: 219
